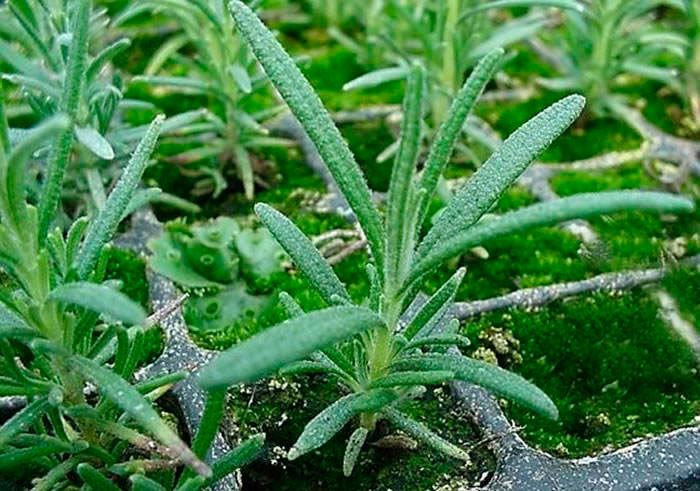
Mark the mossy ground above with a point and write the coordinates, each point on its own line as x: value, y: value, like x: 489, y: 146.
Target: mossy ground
x: 608, y: 361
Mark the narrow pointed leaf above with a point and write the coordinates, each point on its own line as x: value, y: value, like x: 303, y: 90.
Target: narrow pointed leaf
x: 578, y: 206
x: 435, y: 307
x: 303, y: 253
x: 434, y: 377
x: 238, y: 457
x: 208, y: 428
x: 22, y: 420
x: 445, y: 140
x: 307, y: 107
x: 70, y: 100
x: 332, y: 419
x: 445, y: 339
x: 95, y: 479
x: 503, y: 167
x: 18, y: 158
x: 125, y: 396
x: 284, y: 343
x: 104, y: 226
x: 402, y: 174
x: 352, y: 450
x: 421, y: 432
x: 101, y: 299
x: 377, y: 77
x: 491, y: 377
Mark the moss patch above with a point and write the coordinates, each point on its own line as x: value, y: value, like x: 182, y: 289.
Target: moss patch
x: 281, y: 407
x: 612, y: 367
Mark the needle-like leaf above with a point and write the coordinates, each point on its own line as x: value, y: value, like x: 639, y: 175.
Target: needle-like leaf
x: 287, y: 342
x: 303, y: 253
x: 502, y: 169
x: 550, y: 212
x: 307, y: 107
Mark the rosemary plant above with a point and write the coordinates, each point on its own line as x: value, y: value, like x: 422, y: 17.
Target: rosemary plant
x: 447, y: 37
x: 70, y: 341
x: 390, y: 355
x: 225, y: 72
x: 609, y: 38
x: 691, y: 65
x: 54, y: 52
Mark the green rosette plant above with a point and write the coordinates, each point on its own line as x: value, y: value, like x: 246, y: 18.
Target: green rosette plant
x: 380, y: 354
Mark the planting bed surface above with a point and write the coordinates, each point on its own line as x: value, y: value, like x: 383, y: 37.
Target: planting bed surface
x: 613, y: 367
x: 611, y: 364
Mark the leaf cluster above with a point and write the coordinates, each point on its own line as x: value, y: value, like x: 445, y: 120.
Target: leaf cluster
x: 224, y: 72
x: 380, y: 353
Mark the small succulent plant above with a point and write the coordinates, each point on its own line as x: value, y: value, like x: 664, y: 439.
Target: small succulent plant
x: 230, y: 267
x: 215, y: 254
x: 377, y: 351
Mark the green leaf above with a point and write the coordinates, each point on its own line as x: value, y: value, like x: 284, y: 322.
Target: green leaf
x: 377, y: 77
x: 140, y: 482
x: 444, y: 339
x: 307, y: 107
x: 423, y: 433
x: 436, y: 306
x: 332, y: 419
x: 94, y: 142
x: 104, y: 226
x: 398, y: 244
x: 208, y: 427
x: 491, y: 377
x: 303, y: 253
x: 22, y: 420
x: 95, y: 479
x: 70, y: 101
x: 100, y: 298
x: 262, y: 354
x: 578, y: 206
x: 434, y: 377
x: 238, y: 457
x: 17, y: 458
x: 502, y: 169
x: 503, y: 4
x: 241, y: 77
x: 21, y: 153
x: 104, y: 56
x: 126, y: 397
x: 352, y: 450
x: 305, y: 366
x: 451, y: 128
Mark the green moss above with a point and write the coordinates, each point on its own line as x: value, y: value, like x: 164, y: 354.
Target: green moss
x: 332, y: 67
x: 281, y: 407
x: 612, y: 367
x: 130, y: 269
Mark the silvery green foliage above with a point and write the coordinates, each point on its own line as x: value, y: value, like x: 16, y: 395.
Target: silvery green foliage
x: 608, y: 38
x: 691, y: 61
x: 58, y: 59
x: 390, y: 362
x: 64, y: 332
x: 225, y: 71
x: 447, y: 37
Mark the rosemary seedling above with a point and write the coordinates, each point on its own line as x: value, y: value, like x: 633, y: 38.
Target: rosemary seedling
x: 380, y: 355
x: 225, y: 72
